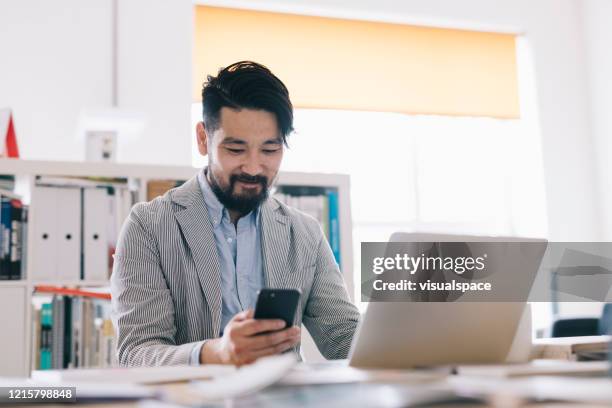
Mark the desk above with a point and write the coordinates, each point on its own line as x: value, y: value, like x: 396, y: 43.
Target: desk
x: 335, y: 395
x: 386, y: 393
x: 331, y: 396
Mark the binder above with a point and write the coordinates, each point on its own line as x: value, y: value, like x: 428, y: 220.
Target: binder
x: 44, y: 241
x: 96, y: 212
x: 69, y: 233
x: 57, y: 234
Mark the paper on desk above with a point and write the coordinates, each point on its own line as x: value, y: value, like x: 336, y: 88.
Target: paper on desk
x: 247, y: 379
x: 134, y: 375
x: 536, y: 367
x: 307, y: 374
x: 589, y: 390
x: 594, y: 390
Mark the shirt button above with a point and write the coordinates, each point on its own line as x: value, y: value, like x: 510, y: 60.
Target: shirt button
x: 229, y: 240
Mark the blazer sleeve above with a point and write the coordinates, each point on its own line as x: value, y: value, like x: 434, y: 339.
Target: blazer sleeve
x: 142, y: 309
x: 330, y: 316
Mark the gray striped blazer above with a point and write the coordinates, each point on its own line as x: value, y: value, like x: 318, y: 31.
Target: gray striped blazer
x: 165, y: 283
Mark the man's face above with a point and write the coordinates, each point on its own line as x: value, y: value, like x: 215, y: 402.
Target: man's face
x: 244, y: 155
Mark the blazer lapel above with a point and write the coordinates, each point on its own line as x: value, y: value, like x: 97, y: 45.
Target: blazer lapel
x: 197, y: 229
x: 275, y: 243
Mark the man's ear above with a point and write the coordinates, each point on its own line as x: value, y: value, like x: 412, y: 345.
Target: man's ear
x: 202, y: 137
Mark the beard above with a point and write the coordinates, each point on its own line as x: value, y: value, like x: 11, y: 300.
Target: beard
x: 242, y: 203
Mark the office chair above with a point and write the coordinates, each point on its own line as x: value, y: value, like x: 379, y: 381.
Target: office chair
x: 605, y: 323
x: 576, y: 327
x: 584, y: 326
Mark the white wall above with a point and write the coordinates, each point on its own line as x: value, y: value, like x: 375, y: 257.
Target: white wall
x: 597, y: 22
x: 55, y: 59
x: 155, y: 53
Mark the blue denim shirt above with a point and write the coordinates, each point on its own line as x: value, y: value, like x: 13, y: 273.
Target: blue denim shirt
x: 240, y: 259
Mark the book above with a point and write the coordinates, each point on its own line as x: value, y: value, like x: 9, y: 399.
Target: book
x: 334, y: 225
x: 325, y: 215
x: 5, y: 238
x: 36, y: 330
x: 67, y: 335
x: 57, y: 353
x: 313, y: 201
x: 16, y: 240
x: 7, y: 182
x: 46, y: 336
x: 572, y: 348
x: 87, y: 319
x: 76, y: 336
x: 24, y: 241
x: 75, y: 331
x: 108, y: 356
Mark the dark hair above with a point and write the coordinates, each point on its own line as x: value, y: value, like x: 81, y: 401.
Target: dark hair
x: 250, y: 85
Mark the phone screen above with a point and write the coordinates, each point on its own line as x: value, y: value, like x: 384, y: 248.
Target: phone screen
x: 277, y: 304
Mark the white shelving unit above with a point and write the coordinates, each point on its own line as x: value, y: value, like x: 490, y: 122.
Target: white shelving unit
x: 16, y: 296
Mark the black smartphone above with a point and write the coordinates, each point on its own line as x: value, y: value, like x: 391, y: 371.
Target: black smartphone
x: 277, y: 304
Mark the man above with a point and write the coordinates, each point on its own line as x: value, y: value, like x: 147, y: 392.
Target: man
x: 189, y: 264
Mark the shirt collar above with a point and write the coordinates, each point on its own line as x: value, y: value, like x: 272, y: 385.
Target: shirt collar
x: 216, y: 210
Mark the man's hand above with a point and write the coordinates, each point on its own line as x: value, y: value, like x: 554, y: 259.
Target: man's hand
x: 242, y: 342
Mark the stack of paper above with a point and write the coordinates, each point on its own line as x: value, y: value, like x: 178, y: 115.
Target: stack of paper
x: 517, y: 392
x: 572, y: 348
x: 537, y: 367
x: 331, y: 373
x: 134, y: 375
x: 244, y: 380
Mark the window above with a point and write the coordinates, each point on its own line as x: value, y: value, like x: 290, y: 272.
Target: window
x: 343, y: 64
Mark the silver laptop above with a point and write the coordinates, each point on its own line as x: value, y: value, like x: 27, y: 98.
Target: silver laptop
x: 414, y: 334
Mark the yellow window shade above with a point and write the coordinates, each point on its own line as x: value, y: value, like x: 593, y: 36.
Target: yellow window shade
x: 359, y: 65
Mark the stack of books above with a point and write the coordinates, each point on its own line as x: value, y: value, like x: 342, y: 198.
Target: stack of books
x: 13, y: 231
x: 73, y: 330
x: 322, y: 204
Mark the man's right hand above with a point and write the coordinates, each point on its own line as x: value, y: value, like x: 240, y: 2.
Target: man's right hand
x: 242, y: 342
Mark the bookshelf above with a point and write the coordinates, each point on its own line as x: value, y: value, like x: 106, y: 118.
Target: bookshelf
x: 17, y: 296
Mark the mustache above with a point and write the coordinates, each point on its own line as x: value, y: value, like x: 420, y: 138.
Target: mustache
x: 247, y: 178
